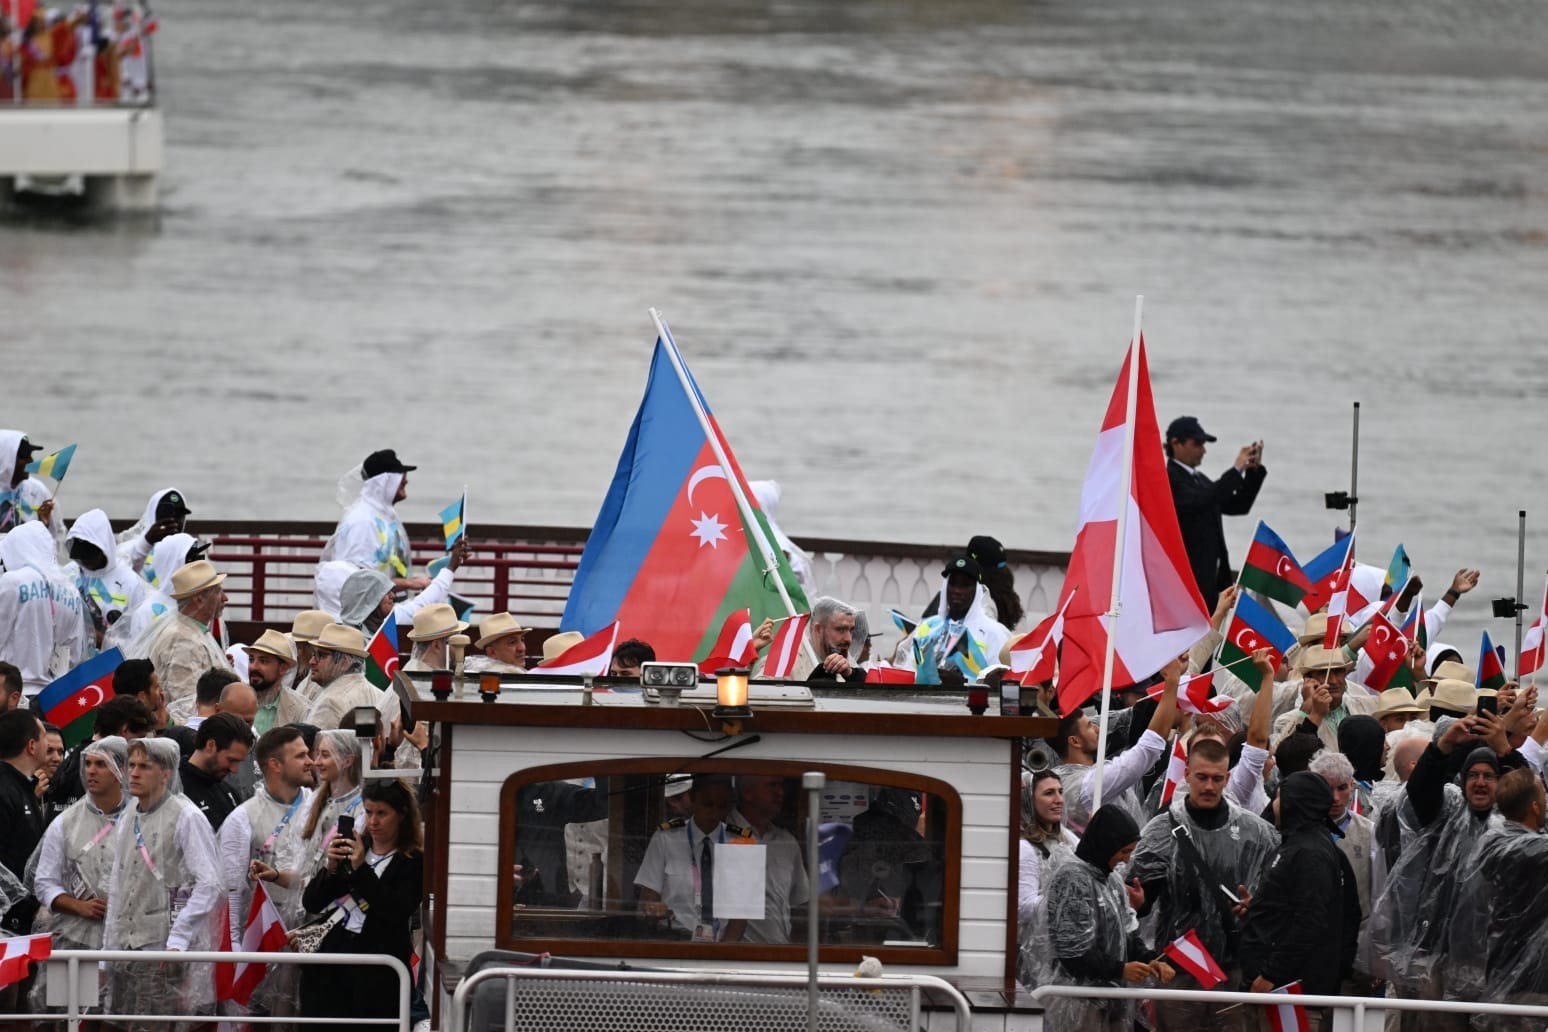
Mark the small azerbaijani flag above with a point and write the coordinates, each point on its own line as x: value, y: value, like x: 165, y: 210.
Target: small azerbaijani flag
x: 1532, y: 648
x: 53, y: 466
x: 1253, y: 627
x: 382, y: 653
x: 1321, y: 571
x: 1193, y: 958
x: 1176, y: 769
x: 70, y: 702
x: 18, y: 954
x: 1491, y: 670
x: 786, y: 647
x: 734, y: 647
x: 452, y: 521
x: 1288, y: 1017
x: 591, y: 656
x: 1271, y: 569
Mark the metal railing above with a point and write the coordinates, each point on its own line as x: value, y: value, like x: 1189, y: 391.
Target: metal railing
x: 528, y: 571
x: 1351, y: 1013
x: 871, y: 997
x: 73, y: 963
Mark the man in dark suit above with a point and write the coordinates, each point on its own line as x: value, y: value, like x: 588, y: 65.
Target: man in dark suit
x: 1201, y: 502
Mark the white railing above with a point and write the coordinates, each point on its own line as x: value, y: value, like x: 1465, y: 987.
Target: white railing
x: 81, y: 966
x: 1350, y: 1013
x: 831, y: 985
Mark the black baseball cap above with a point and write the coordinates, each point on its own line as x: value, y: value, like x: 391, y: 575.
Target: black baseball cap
x: 963, y: 564
x: 1187, y: 428
x: 25, y: 449
x: 385, y: 461
x: 172, y: 507
x: 989, y: 552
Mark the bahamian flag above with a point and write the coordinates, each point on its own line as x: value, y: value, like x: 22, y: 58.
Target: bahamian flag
x: 70, y: 702
x: 971, y: 662
x: 54, y: 465
x: 1397, y: 570
x: 670, y: 555
x: 452, y: 521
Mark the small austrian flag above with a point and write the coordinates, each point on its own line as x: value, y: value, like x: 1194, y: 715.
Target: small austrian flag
x: 1193, y: 958
x: 1288, y: 1017
x: 19, y: 953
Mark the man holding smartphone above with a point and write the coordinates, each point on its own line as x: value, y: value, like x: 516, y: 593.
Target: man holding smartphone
x: 1201, y: 502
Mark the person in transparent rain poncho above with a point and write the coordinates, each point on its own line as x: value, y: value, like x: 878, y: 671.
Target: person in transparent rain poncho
x: 162, y: 892
x: 303, y: 843
x: 111, y: 589
x: 249, y: 849
x: 1086, y: 932
x: 1499, y: 935
x: 370, y: 533
x: 169, y: 554
x: 70, y: 869
x: 1412, y: 925
x: 1043, y: 838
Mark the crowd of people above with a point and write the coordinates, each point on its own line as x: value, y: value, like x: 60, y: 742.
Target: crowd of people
x: 1309, y: 832
x: 92, y: 53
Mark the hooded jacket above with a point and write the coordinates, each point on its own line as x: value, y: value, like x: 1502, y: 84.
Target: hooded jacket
x: 1305, y: 917
x: 370, y: 533
x: 133, y: 548
x: 20, y: 504
x: 116, y: 590
x: 130, y: 632
x: 41, y: 629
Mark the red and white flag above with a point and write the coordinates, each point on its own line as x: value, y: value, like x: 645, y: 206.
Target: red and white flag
x: 1162, y: 613
x: 1176, y: 768
x: 591, y: 655
x: 786, y: 647
x: 1338, y: 605
x: 734, y: 647
x: 1193, y: 958
x: 1288, y: 1017
x: 1532, y: 647
x: 1195, y: 694
x: 19, y: 953
x: 263, y: 933
x: 1035, y: 654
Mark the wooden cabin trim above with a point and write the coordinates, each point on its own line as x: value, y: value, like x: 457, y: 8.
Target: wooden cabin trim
x: 1013, y: 868
x: 945, y: 954
x: 440, y: 845
x: 692, y: 718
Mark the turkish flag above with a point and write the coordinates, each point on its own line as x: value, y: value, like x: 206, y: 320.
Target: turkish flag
x: 1161, y: 612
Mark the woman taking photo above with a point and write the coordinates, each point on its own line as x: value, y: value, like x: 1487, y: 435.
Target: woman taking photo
x: 370, y: 888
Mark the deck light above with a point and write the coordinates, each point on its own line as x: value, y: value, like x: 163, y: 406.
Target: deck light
x: 731, y: 694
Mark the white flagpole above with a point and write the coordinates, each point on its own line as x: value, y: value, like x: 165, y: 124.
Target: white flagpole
x: 743, y: 506
x: 1116, y: 607
x: 464, y: 512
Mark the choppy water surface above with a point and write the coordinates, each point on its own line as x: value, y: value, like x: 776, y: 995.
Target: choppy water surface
x: 898, y: 241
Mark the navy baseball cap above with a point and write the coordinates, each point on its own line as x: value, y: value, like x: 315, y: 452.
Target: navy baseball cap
x: 963, y: 564
x: 1187, y: 428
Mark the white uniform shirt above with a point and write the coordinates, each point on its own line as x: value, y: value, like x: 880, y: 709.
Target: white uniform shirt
x: 785, y: 882
x: 671, y: 869
x: 253, y: 832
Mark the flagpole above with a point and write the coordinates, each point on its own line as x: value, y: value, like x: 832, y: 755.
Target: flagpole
x: 464, y: 512
x: 1116, y: 602
x: 1520, y: 584
x: 1354, y: 470
x: 743, y: 506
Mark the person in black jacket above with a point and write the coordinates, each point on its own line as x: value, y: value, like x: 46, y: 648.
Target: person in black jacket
x: 370, y: 888
x: 221, y: 744
x: 1201, y: 501
x: 21, y: 815
x: 1301, y: 926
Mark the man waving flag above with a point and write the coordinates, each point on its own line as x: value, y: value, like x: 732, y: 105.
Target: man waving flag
x: 670, y: 555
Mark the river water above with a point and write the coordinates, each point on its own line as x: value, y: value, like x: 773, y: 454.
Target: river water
x: 899, y: 243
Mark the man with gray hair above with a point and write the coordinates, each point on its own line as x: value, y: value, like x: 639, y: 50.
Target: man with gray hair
x: 830, y: 634
x: 180, y: 645
x: 1358, y: 833
x: 338, y: 664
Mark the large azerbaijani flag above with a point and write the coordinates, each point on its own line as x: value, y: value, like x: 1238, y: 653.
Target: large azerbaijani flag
x: 70, y: 702
x: 669, y: 556
x: 1271, y: 569
x: 1162, y: 613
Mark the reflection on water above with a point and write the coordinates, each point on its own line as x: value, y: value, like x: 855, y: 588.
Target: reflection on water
x: 899, y: 242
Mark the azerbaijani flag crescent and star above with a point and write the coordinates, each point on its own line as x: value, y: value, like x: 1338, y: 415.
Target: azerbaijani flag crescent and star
x: 669, y: 556
x: 382, y: 653
x: 1252, y: 628
x: 70, y: 702
x: 1271, y: 569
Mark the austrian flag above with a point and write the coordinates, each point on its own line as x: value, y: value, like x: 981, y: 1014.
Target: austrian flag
x: 590, y: 656
x: 786, y: 647
x: 734, y: 647
x: 263, y: 933
x: 1288, y: 1017
x: 1193, y: 958
x: 20, y: 952
x: 1176, y: 769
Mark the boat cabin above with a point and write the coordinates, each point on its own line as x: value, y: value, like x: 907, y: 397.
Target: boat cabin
x: 597, y: 820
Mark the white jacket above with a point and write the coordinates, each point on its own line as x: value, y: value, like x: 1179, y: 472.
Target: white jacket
x: 41, y: 627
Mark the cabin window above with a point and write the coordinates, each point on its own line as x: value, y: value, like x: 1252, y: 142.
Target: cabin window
x: 689, y: 857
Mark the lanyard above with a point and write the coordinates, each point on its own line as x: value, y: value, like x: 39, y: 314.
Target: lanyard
x: 268, y: 843
x: 139, y: 839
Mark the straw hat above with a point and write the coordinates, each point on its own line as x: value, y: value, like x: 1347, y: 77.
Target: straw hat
x: 308, y: 625
x: 275, y: 644
x: 1315, y: 657
x: 192, y: 578
x: 1422, y: 701
x: 555, y: 644
x: 496, y: 627
x: 337, y: 637
x: 437, y: 621
x: 1454, y: 696
x: 1316, y: 629
x: 1395, y: 701
x: 1451, y: 670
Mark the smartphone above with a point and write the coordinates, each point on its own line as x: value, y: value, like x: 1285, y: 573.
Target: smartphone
x: 1489, y: 704
x: 346, y: 826
x: 1233, y: 897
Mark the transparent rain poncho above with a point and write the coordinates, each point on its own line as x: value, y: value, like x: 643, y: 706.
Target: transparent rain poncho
x: 1498, y: 942
x: 1084, y: 931
x: 360, y: 595
x: 112, y: 591
x: 1411, y: 920
x: 75, y: 855
x: 369, y: 533
x: 1236, y: 853
x: 130, y: 632
x: 299, y: 855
